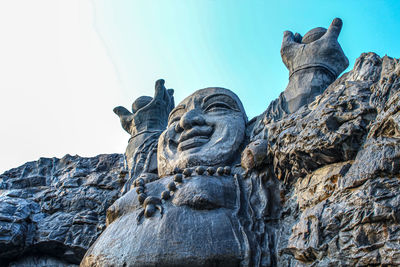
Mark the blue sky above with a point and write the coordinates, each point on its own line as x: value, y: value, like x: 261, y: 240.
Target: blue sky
x: 66, y: 63
x: 231, y: 43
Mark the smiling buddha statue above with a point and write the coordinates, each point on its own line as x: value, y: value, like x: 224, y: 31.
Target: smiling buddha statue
x: 187, y: 201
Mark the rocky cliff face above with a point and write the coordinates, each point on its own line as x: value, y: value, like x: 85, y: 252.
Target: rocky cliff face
x: 333, y: 168
x: 339, y: 161
x: 52, y: 210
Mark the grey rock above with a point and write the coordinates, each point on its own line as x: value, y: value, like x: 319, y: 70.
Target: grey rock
x: 329, y: 130
x: 254, y: 155
x: 346, y: 213
x: 40, y: 261
x: 52, y: 210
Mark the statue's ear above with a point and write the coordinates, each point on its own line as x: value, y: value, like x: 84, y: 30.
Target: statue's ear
x: 121, y: 111
x: 171, y: 99
x: 125, y: 117
x: 159, y: 90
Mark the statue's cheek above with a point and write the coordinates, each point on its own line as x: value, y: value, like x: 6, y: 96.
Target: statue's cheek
x: 227, y: 125
x: 168, y: 141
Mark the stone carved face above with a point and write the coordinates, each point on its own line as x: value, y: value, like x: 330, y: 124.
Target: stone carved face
x: 205, y: 129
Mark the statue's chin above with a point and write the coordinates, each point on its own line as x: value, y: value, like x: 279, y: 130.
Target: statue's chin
x: 206, y: 156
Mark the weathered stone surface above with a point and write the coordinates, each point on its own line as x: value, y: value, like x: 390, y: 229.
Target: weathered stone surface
x: 313, y: 181
x: 319, y: 185
x: 347, y: 213
x: 330, y: 129
x: 41, y: 261
x: 52, y: 210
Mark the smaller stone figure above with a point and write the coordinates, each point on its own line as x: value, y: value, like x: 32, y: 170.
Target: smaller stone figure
x: 146, y: 122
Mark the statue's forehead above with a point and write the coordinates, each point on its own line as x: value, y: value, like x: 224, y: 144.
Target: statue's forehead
x: 198, y: 97
x: 207, y: 96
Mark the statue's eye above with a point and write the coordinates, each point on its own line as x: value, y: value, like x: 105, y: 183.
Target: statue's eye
x: 217, y: 106
x: 174, y: 119
x: 178, y: 127
x: 176, y: 114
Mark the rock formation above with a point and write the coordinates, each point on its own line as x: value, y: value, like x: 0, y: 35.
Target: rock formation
x: 313, y: 181
x: 340, y: 158
x: 52, y: 210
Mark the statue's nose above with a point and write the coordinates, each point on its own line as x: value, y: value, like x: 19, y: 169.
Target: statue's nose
x: 192, y: 118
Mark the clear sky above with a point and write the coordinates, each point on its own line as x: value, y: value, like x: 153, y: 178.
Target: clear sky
x: 66, y: 63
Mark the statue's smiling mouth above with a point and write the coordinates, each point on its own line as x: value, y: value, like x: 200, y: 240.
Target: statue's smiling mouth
x: 194, y: 137
x: 193, y: 142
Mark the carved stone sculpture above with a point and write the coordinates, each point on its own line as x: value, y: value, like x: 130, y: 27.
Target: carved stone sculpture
x: 146, y: 122
x: 313, y: 181
x: 205, y: 129
x: 314, y: 62
x: 194, y: 212
x: 189, y: 216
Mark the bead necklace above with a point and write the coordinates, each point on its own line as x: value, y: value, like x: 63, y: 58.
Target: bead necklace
x: 150, y: 203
